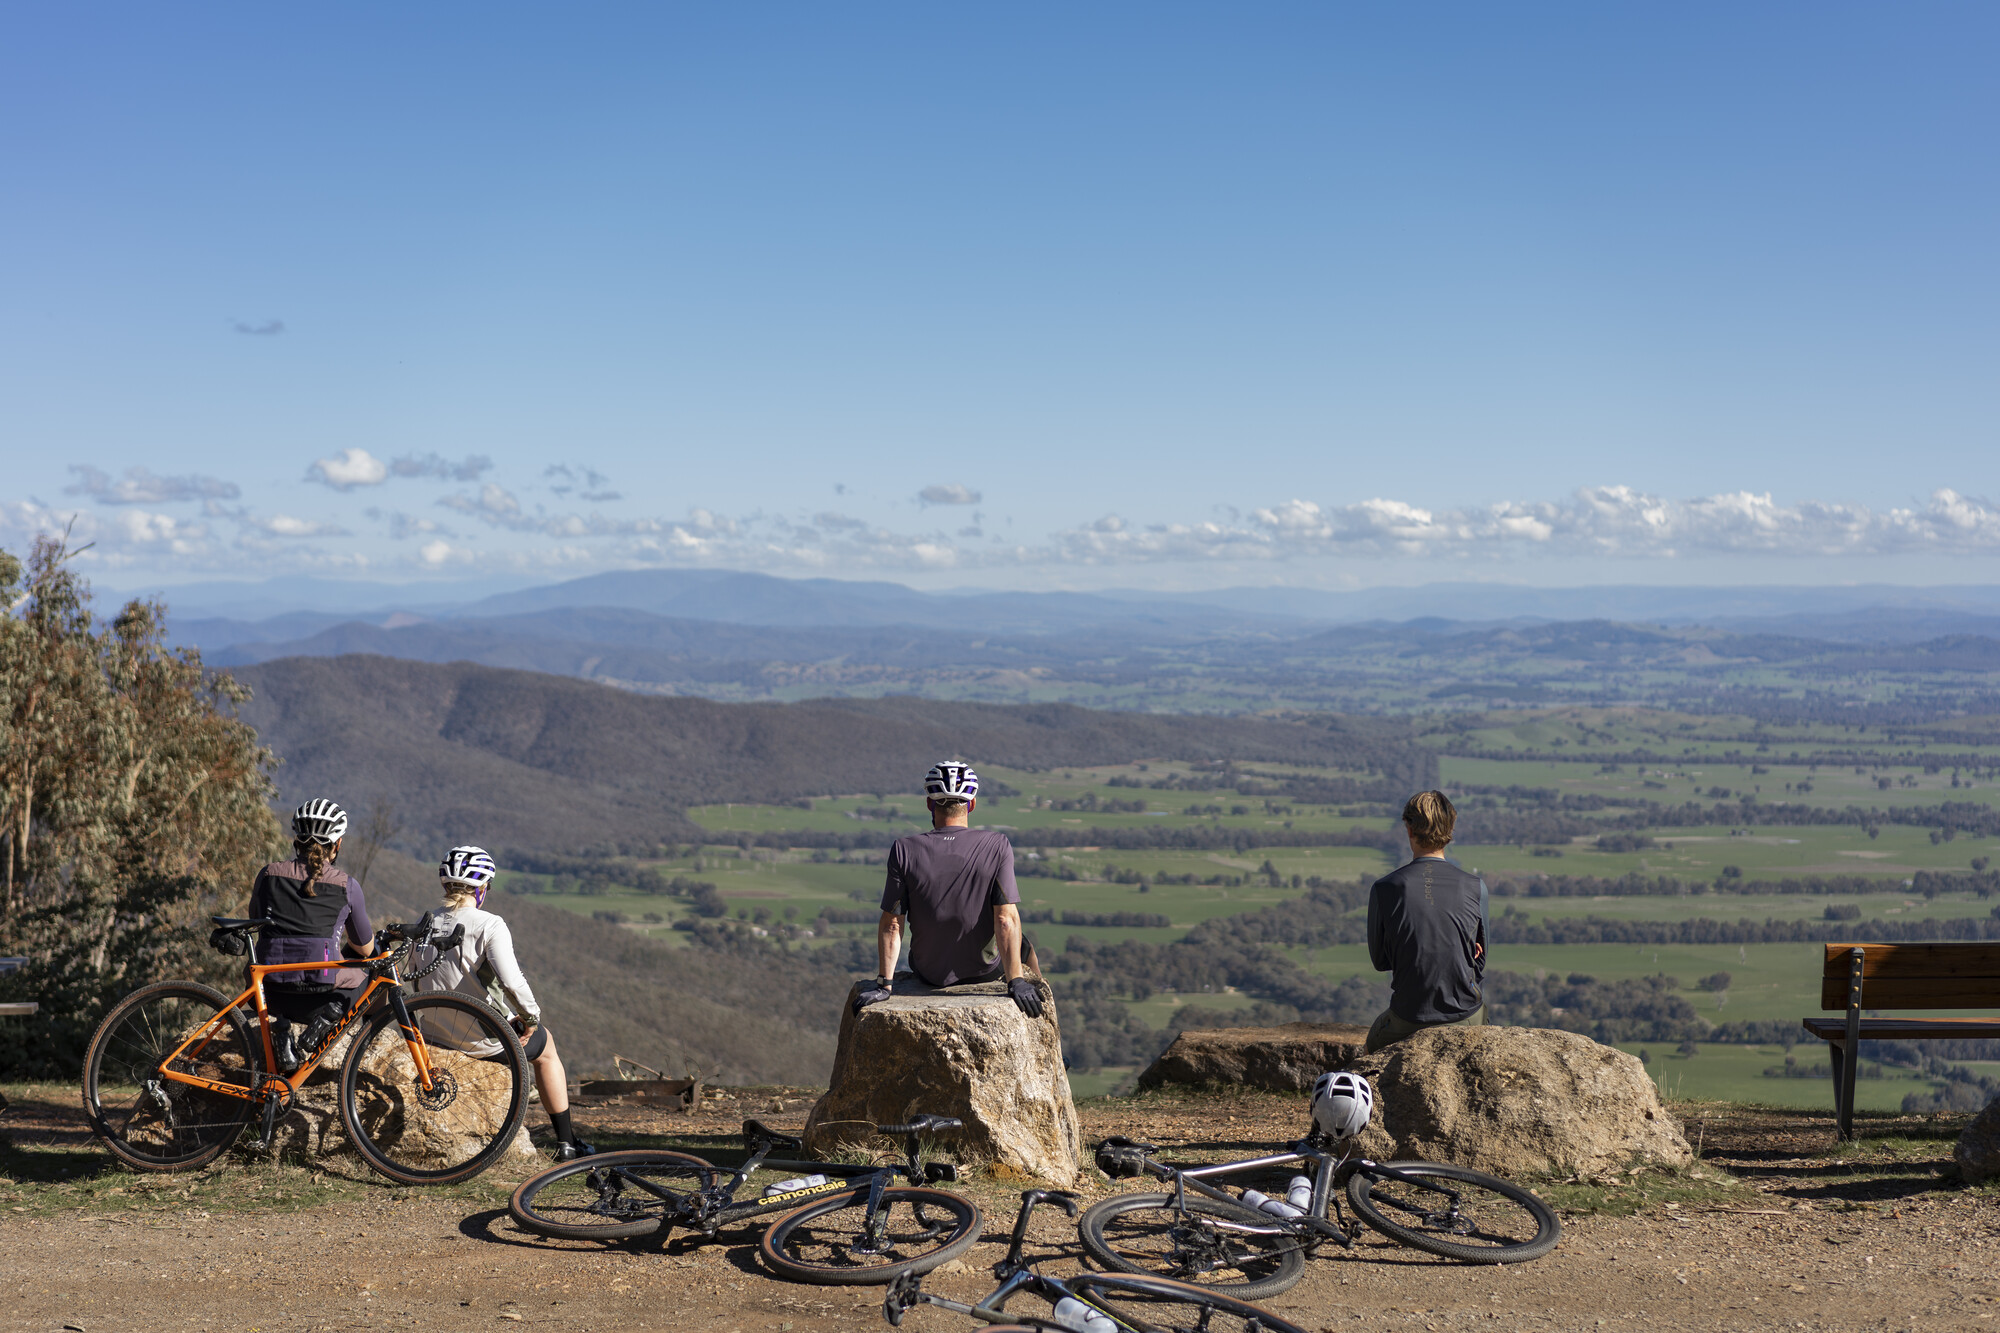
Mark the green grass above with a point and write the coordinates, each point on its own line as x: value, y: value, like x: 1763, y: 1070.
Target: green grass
x: 1736, y: 1074
x: 1770, y: 851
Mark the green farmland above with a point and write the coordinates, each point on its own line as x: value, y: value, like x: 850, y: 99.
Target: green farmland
x: 1575, y: 774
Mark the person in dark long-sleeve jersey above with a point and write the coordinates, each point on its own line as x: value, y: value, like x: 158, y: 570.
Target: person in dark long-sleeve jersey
x: 1427, y: 930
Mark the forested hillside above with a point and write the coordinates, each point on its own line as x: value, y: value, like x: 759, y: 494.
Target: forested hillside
x: 518, y: 759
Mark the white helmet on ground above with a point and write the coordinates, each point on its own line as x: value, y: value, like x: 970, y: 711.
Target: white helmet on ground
x: 951, y: 780
x: 1341, y: 1104
x: 319, y: 820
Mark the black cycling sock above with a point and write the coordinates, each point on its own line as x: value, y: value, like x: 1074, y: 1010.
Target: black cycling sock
x: 560, y: 1119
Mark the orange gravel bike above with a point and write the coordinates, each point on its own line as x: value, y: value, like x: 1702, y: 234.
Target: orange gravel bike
x: 433, y: 1088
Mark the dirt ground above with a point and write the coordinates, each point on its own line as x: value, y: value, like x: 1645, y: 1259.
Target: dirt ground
x: 1777, y: 1228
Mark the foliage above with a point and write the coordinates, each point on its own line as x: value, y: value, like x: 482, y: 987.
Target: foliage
x: 132, y: 804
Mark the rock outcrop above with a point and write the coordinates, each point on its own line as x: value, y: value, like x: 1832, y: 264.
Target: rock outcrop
x: 964, y: 1051
x: 1519, y: 1103
x: 1283, y: 1059
x: 311, y: 1129
x: 1978, y: 1149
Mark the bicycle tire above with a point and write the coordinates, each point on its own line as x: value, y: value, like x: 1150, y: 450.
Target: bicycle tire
x: 542, y: 1203
x: 416, y: 1138
x: 169, y: 1126
x: 1161, y: 1305
x: 813, y: 1243
x: 1362, y: 1192
x: 1267, y: 1264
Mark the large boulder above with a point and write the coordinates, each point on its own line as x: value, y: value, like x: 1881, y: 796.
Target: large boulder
x: 1517, y: 1102
x: 1284, y: 1059
x: 311, y: 1129
x: 1978, y: 1150
x: 964, y: 1051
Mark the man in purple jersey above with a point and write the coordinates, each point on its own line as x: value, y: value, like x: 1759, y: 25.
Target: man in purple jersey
x: 956, y: 886
x: 312, y: 906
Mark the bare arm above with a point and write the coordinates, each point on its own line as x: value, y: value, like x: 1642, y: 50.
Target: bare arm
x: 888, y: 943
x: 1007, y: 937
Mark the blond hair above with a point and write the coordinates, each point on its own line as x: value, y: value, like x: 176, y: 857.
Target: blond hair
x: 1430, y: 817
x: 459, y: 897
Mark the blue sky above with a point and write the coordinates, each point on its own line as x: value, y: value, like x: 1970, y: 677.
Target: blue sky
x: 1027, y: 295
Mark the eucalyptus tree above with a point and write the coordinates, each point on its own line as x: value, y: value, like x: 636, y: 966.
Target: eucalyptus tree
x: 133, y: 802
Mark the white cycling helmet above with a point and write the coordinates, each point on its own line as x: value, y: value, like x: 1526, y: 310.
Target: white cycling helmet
x: 1341, y: 1104
x: 951, y: 780
x: 468, y: 868
x: 319, y: 820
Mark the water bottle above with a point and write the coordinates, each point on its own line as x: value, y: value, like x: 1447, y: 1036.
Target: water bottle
x: 1275, y: 1207
x: 1300, y: 1193
x: 1083, y: 1318
x: 797, y: 1183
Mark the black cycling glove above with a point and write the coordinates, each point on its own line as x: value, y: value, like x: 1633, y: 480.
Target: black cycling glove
x: 876, y: 992
x: 1024, y: 993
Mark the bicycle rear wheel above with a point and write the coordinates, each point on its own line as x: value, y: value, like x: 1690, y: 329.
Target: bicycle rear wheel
x: 833, y: 1242
x: 473, y: 1110
x: 149, y: 1121
x: 1146, y: 1233
x: 1160, y: 1305
x: 602, y: 1197
x: 1482, y: 1220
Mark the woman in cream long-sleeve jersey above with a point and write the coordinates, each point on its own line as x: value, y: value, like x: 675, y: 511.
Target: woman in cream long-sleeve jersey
x: 484, y: 965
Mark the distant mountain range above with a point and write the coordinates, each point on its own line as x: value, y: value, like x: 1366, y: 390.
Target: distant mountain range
x: 739, y: 636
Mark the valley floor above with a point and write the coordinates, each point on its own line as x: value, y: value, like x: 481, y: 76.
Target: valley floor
x: 1778, y: 1230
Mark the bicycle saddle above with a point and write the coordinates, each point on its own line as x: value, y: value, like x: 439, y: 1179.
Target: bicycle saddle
x: 755, y: 1131
x: 1121, y: 1158
x: 922, y: 1124
x: 240, y: 923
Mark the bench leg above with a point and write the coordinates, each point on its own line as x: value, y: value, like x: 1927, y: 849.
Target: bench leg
x: 1843, y: 1088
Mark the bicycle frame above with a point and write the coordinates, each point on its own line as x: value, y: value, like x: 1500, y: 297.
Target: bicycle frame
x: 1015, y: 1277
x: 273, y: 1084
x: 1314, y: 1219
x: 713, y: 1206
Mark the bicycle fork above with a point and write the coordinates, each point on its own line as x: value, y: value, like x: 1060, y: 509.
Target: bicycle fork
x: 420, y: 1054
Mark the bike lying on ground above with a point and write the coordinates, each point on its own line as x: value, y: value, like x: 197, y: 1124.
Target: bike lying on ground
x: 860, y: 1229
x: 433, y: 1088
x: 1202, y: 1234
x: 1089, y: 1302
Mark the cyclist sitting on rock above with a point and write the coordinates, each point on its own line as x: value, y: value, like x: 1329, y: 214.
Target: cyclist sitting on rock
x: 956, y: 886
x: 311, y: 905
x: 483, y: 965
x: 1427, y: 930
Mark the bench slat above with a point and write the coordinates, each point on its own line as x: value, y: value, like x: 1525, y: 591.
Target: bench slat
x: 1914, y: 993
x: 1904, y: 1029
x: 1951, y: 959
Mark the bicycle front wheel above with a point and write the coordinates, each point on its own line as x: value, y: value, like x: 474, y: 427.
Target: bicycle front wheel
x: 1159, y: 1305
x: 152, y: 1122
x: 1204, y: 1245
x: 607, y: 1197
x: 469, y: 1115
x: 1454, y: 1212
x: 834, y: 1242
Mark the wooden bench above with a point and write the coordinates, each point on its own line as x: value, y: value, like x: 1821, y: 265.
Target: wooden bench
x: 1900, y: 976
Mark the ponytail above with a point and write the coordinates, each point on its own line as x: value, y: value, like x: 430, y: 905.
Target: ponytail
x: 316, y: 856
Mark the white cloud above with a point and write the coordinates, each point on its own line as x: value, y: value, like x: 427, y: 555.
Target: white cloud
x: 140, y: 486
x: 284, y: 525
x: 948, y: 495
x: 348, y: 469
x: 1603, y: 521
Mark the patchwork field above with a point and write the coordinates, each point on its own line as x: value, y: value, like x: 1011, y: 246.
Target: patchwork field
x: 1145, y: 852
